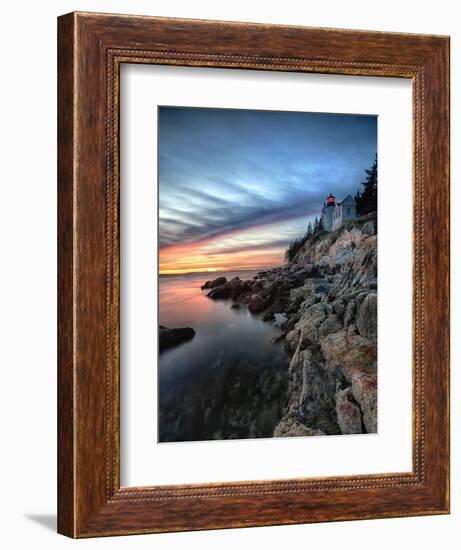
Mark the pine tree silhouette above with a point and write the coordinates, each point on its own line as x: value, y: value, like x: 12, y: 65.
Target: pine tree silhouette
x: 367, y: 200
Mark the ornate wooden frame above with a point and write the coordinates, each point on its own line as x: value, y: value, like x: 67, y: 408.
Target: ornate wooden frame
x: 91, y: 48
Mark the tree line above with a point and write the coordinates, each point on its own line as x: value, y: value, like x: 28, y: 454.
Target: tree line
x: 367, y: 200
x: 312, y: 229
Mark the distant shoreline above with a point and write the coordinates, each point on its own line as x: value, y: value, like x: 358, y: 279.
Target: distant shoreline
x: 214, y: 273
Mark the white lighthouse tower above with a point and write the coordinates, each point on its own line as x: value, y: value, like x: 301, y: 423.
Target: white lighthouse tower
x: 327, y: 212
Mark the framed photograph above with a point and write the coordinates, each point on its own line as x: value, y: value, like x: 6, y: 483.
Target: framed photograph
x: 253, y: 275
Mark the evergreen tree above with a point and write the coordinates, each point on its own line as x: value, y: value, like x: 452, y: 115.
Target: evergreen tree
x: 316, y: 226
x: 292, y: 249
x: 367, y: 201
x: 357, y: 199
x: 295, y: 245
x: 321, y: 224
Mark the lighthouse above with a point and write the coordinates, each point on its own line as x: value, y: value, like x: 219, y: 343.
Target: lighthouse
x: 335, y: 214
x: 327, y: 212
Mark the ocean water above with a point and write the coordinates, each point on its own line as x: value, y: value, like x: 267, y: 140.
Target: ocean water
x: 230, y: 380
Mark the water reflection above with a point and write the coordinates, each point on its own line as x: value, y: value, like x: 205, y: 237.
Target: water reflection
x: 229, y: 381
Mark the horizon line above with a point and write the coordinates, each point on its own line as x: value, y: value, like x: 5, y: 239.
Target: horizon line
x: 211, y: 271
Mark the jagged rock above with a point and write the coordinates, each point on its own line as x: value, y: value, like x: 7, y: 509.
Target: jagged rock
x: 300, y: 293
x: 364, y: 390
x: 310, y: 320
x: 316, y: 285
x: 330, y: 325
x: 292, y: 340
x: 310, y: 271
x: 355, y: 356
x: 170, y: 337
x: 338, y: 306
x: 238, y: 287
x: 367, y: 317
x: 235, y: 289
x: 368, y: 228
x: 214, y: 283
x: 291, y: 427
x: 318, y: 388
x: 340, y: 261
x: 278, y: 338
x: 349, y: 314
x: 304, y: 342
x: 315, y: 313
x: 352, y: 330
x: 268, y: 317
x: 348, y: 413
x: 258, y: 302
x: 348, y: 352
x: 306, y: 304
x: 312, y: 390
x: 360, y: 296
x: 290, y: 322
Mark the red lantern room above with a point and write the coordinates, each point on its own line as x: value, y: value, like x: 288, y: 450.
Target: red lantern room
x: 331, y: 200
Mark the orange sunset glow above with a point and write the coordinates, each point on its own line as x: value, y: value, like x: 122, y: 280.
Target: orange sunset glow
x: 216, y: 254
x: 179, y: 259
x: 256, y: 247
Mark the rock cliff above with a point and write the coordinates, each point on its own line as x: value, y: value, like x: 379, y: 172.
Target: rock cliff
x: 327, y: 298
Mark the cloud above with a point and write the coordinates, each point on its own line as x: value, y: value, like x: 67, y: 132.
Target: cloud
x: 224, y: 172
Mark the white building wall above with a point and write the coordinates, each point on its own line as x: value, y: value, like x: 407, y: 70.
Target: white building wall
x: 341, y: 214
x: 337, y: 217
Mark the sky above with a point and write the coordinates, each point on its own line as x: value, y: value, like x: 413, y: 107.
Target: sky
x: 236, y: 186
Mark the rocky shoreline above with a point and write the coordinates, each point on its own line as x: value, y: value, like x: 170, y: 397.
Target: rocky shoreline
x: 327, y: 298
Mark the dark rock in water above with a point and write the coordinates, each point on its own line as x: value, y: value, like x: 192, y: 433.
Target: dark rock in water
x: 235, y: 306
x: 170, y: 337
x: 268, y: 316
x: 256, y: 303
x: 214, y: 283
x: 222, y: 292
x: 238, y: 287
x: 235, y: 289
x: 259, y: 301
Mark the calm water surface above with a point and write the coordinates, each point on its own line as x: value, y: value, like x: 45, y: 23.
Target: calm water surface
x: 229, y: 381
